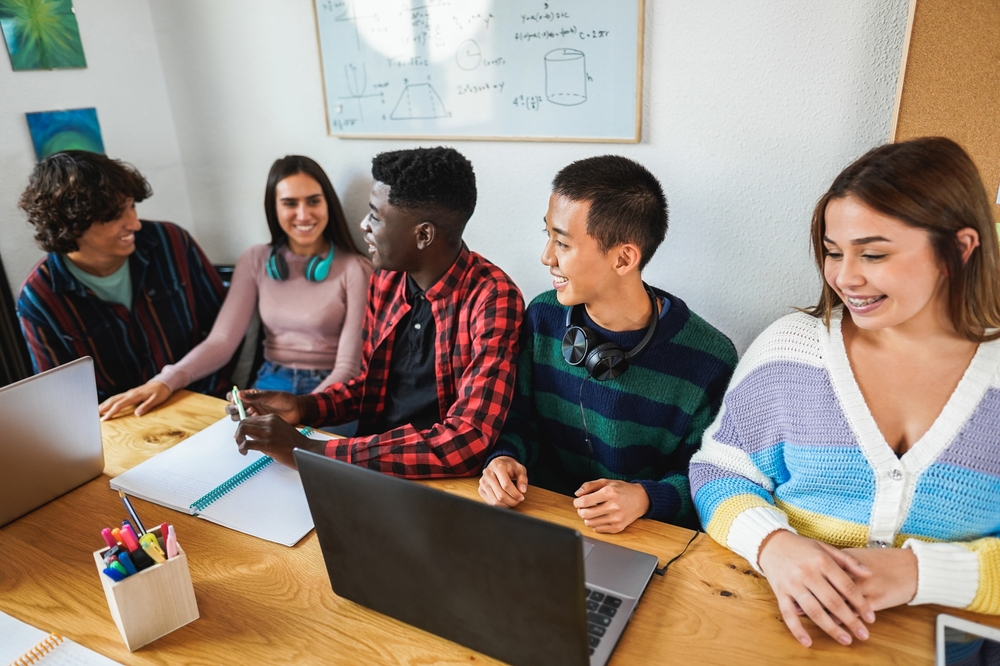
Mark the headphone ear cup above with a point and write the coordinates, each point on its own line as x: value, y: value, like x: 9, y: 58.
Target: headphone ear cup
x: 318, y: 268
x: 276, y: 267
x: 607, y: 361
x: 576, y: 344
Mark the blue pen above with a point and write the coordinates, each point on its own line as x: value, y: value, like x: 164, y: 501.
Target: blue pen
x: 126, y: 562
x: 113, y: 575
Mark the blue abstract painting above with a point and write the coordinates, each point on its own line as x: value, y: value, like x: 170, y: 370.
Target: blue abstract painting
x: 71, y: 129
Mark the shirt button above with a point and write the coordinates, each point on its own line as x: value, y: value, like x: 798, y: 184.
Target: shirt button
x: 416, y: 326
x: 895, y: 475
x: 878, y: 544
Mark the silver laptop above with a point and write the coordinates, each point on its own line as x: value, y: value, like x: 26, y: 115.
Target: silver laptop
x: 50, y: 437
x: 520, y: 589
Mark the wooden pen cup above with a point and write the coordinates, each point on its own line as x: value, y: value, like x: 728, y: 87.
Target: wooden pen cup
x: 152, y: 602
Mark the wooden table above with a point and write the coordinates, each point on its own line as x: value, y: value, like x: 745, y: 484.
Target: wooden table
x: 262, y: 602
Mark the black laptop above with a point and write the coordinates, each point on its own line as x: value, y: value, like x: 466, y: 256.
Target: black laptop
x: 516, y: 588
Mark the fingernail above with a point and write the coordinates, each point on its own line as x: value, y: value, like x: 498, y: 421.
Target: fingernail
x: 844, y: 639
x: 870, y: 617
x: 523, y: 488
x: 863, y: 634
x: 805, y: 640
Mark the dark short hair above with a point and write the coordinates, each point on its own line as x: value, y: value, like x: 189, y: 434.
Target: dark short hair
x: 931, y: 184
x: 72, y: 190
x: 336, y: 227
x: 439, y: 180
x: 627, y: 204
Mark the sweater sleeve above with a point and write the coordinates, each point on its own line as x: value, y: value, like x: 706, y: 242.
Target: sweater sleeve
x: 741, y: 460
x: 962, y: 575
x: 348, y: 363
x: 519, y: 437
x: 227, y: 331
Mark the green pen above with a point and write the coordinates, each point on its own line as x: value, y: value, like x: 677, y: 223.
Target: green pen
x: 238, y: 402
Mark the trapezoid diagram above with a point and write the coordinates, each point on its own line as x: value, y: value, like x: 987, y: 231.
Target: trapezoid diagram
x: 566, y: 77
x: 419, y: 101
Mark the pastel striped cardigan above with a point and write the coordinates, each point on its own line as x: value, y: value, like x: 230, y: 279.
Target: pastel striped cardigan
x: 795, y: 446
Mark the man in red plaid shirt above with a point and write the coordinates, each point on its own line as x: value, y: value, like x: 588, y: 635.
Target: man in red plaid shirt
x: 440, y: 337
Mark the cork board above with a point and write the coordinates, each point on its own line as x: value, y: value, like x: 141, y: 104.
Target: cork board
x: 950, y: 82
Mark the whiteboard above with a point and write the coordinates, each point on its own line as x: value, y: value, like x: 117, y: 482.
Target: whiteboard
x: 563, y: 70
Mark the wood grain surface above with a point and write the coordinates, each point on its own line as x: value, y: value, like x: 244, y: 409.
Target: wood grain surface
x: 265, y: 603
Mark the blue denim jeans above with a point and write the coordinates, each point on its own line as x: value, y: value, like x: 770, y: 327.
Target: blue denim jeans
x: 274, y: 377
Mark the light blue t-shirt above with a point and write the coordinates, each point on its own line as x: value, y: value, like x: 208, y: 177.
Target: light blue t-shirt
x: 114, y: 288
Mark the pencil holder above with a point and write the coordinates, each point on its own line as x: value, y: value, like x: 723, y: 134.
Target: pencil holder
x: 153, y: 602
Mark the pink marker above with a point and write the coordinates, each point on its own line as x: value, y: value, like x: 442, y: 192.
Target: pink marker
x: 128, y: 536
x: 108, y: 537
x: 171, y: 542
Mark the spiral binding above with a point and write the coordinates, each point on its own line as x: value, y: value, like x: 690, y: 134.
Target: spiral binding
x: 35, y: 654
x: 204, y: 502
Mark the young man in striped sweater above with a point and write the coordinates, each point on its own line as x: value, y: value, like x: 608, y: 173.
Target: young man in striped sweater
x: 616, y: 380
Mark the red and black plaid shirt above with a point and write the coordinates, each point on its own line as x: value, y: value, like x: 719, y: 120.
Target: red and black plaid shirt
x: 477, y: 312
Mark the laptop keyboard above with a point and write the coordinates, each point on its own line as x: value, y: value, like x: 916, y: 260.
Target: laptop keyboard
x: 601, y: 608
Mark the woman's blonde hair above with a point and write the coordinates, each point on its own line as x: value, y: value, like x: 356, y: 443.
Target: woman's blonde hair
x: 931, y: 184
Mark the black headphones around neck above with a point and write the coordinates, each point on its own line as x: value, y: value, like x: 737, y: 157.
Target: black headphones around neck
x: 603, y: 360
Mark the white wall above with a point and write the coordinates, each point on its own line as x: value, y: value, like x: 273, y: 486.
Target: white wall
x: 750, y: 109
x: 124, y: 81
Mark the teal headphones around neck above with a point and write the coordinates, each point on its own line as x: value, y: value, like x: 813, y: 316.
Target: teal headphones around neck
x: 317, y: 268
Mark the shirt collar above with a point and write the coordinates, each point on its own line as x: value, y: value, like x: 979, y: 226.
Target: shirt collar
x: 451, y: 278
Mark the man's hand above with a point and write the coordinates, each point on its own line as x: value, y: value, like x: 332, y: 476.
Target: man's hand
x: 819, y: 580
x: 260, y: 403
x: 147, y: 396
x: 272, y: 436
x: 893, y: 581
x: 610, y: 506
x: 504, y: 482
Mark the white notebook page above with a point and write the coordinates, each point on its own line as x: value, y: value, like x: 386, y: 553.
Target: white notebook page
x: 270, y: 505
x: 18, y: 638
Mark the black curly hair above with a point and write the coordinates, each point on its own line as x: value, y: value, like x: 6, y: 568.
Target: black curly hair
x: 627, y: 204
x: 439, y: 180
x: 72, y: 190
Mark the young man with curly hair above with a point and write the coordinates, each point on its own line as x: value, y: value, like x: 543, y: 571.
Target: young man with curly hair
x: 440, y: 337
x: 132, y: 294
x: 616, y: 380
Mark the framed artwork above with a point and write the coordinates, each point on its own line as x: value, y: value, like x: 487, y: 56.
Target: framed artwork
x: 70, y: 129
x: 41, y: 34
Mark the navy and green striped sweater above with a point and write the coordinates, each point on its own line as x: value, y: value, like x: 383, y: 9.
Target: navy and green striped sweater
x: 644, y: 426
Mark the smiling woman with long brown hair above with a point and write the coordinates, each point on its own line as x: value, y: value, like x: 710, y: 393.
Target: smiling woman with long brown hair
x: 309, y: 285
x: 855, y: 461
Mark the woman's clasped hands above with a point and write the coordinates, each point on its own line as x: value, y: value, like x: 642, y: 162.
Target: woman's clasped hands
x: 839, y: 590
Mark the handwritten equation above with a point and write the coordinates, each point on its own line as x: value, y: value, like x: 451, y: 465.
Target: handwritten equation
x: 481, y: 68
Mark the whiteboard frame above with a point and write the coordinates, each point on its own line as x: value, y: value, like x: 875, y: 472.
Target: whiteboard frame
x: 636, y: 138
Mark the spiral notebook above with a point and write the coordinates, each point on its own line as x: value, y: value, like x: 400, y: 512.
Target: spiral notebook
x: 21, y: 644
x: 205, y: 475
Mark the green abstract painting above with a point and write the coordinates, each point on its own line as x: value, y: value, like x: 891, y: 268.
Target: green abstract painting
x: 41, y: 34
x: 70, y: 129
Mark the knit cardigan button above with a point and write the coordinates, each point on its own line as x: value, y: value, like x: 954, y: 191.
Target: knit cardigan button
x: 895, y: 475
